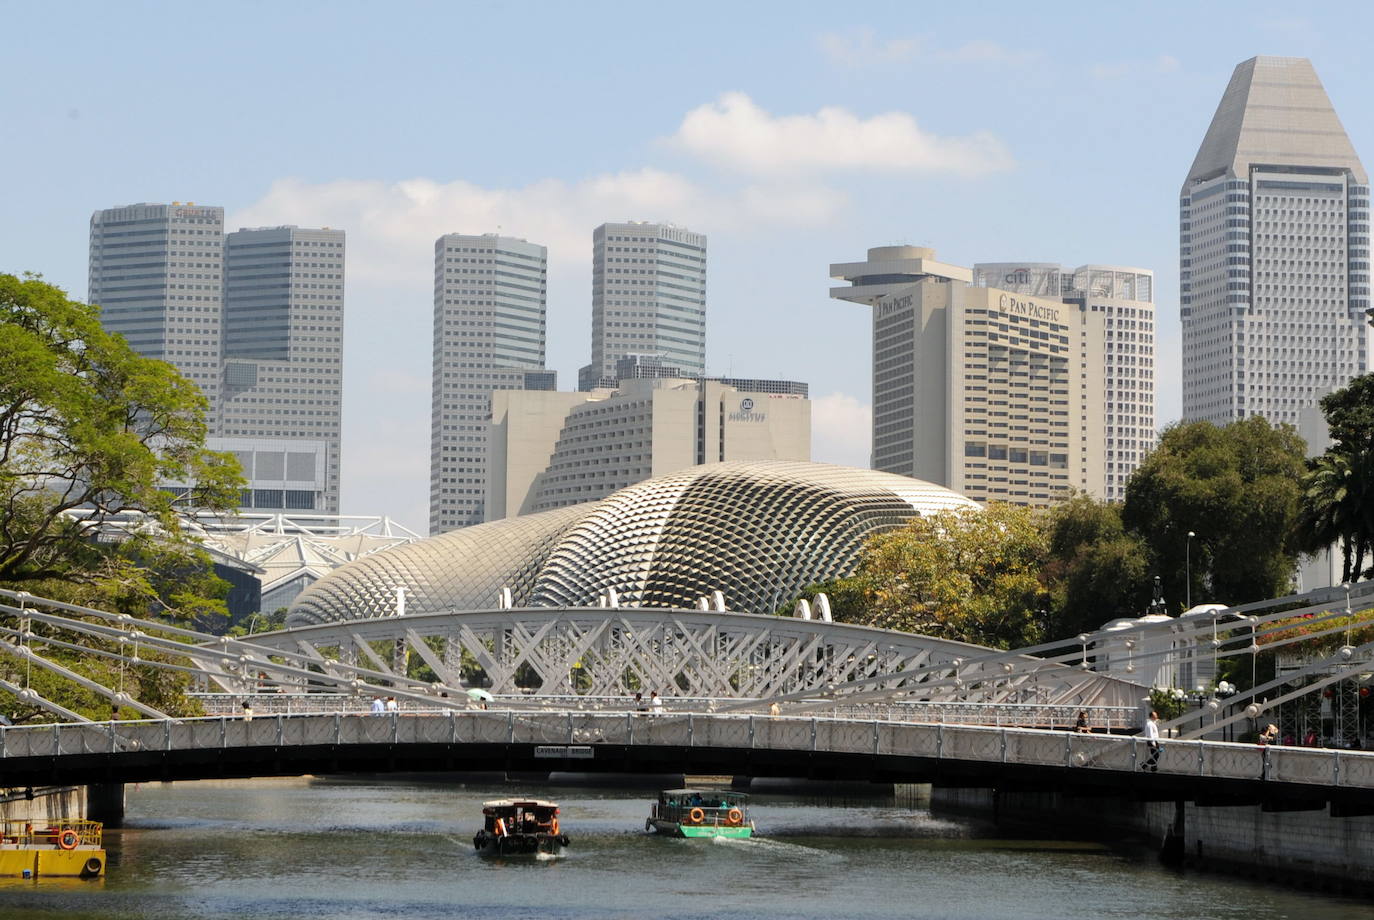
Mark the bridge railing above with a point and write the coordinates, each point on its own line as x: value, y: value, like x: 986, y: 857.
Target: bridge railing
x: 586, y: 730
x: 1024, y: 715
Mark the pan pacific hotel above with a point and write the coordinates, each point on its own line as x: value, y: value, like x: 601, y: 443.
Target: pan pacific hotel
x: 1009, y: 382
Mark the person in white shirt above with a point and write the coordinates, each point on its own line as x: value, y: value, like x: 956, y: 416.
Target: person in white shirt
x: 391, y: 705
x: 1152, y: 742
x: 377, y: 705
x: 655, y: 704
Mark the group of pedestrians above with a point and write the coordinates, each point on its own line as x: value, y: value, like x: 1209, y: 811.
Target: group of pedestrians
x: 380, y: 706
x: 653, y: 705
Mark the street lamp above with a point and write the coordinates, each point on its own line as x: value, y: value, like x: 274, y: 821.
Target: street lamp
x: 1345, y: 586
x: 1188, y: 570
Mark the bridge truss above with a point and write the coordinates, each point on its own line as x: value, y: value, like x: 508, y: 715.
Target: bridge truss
x: 528, y: 657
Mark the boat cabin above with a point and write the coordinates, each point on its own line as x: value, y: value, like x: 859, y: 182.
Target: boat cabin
x: 520, y: 816
x: 701, y: 806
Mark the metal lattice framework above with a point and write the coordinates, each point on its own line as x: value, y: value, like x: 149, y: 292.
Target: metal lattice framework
x: 739, y: 661
x: 602, y: 652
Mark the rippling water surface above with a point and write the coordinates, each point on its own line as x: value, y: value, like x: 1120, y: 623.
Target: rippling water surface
x: 354, y: 849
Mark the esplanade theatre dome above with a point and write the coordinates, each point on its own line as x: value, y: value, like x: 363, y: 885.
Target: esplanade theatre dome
x: 758, y: 532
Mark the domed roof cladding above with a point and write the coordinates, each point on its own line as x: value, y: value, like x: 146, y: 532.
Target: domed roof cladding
x: 759, y: 532
x: 463, y: 569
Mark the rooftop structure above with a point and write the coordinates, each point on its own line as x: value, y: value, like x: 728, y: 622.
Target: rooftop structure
x: 757, y: 532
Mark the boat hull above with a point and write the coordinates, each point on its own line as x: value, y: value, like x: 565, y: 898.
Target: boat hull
x: 674, y: 829
x: 38, y: 862
x: 519, y: 844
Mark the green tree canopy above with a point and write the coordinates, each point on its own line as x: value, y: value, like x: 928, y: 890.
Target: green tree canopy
x: 1096, y: 571
x: 1338, y: 490
x: 1237, y: 488
x: 968, y: 576
x: 89, y: 430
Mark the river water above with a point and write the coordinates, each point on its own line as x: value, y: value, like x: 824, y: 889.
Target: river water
x: 352, y: 849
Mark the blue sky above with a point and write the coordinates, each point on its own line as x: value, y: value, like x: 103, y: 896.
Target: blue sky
x: 794, y: 135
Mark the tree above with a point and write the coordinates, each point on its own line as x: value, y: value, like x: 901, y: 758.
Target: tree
x: 1338, y: 490
x: 1096, y: 570
x: 1349, y: 412
x: 1237, y: 487
x: 90, y: 430
x: 961, y: 575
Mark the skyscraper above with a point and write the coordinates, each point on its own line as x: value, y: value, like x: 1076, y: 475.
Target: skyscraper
x: 648, y: 297
x: 155, y: 270
x: 1273, y: 250
x: 280, y: 401
x: 255, y: 320
x: 489, y: 302
x: 1017, y: 388
x: 1116, y: 318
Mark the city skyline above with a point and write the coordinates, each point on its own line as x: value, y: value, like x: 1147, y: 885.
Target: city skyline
x: 796, y: 144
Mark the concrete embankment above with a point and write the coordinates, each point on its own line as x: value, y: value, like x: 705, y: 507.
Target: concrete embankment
x: 1297, y: 848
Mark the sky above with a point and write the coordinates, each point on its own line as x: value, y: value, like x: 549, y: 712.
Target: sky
x: 793, y: 134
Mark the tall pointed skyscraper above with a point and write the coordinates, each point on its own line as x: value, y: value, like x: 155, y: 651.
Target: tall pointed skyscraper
x: 1274, y: 250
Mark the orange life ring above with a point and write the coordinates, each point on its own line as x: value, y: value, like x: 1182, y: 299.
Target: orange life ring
x: 734, y: 816
x: 68, y: 839
x: 696, y: 815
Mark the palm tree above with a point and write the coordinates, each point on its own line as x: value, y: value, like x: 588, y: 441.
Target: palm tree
x: 1324, y: 515
x: 1337, y: 505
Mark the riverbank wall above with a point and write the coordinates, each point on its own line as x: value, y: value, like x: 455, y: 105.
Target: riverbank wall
x: 43, y: 806
x: 1309, y: 849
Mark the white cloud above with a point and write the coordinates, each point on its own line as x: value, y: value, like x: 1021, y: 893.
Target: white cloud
x: 735, y: 132
x: 861, y: 47
x: 841, y: 430
x: 982, y: 51
x: 392, y: 225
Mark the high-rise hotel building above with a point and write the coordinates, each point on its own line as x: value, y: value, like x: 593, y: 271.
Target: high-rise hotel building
x: 281, y: 395
x: 156, y: 272
x: 648, y: 298
x: 1273, y: 250
x: 1116, y: 315
x: 489, y: 306
x: 1002, y: 394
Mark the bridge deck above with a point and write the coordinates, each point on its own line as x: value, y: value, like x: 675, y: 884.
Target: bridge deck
x: 696, y: 742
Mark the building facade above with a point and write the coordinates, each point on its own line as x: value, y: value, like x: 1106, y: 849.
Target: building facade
x: 281, y: 394
x: 1273, y: 250
x: 1001, y: 394
x: 489, y: 333
x: 552, y: 450
x: 648, y: 297
x: 156, y: 272
x: 1117, y: 319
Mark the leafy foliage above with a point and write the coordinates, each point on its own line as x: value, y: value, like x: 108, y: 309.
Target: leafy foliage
x: 89, y: 430
x: 1097, y: 571
x: 1338, y: 489
x: 1237, y: 487
x: 954, y: 575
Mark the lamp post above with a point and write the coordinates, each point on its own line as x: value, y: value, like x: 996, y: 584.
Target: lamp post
x: 1188, y: 570
x: 1345, y: 586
